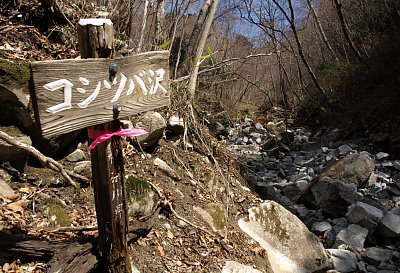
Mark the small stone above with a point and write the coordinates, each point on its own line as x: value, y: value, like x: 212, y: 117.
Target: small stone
x: 83, y: 167
x: 181, y: 224
x: 320, y: 228
x: 75, y: 156
x: 381, y: 155
x: 162, y: 165
x: 345, y: 149
x: 5, y: 189
x: 126, y: 124
x: 324, y: 149
x: 387, y: 164
x: 343, y: 260
x: 396, y: 164
x: 259, y: 126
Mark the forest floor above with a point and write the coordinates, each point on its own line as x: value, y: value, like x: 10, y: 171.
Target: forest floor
x: 45, y: 208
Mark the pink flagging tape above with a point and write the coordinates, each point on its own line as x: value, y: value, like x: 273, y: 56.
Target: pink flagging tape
x: 100, y: 136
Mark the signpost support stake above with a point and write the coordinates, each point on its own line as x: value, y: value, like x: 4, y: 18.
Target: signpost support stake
x: 96, y: 41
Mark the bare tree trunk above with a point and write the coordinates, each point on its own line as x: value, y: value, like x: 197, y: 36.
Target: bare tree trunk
x: 200, y: 47
x: 191, y: 45
x: 139, y: 46
x: 345, y: 28
x: 292, y: 24
x: 321, y: 29
x: 201, y: 19
x: 159, y: 20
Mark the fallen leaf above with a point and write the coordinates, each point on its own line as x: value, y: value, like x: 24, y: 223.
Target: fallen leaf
x: 170, y: 234
x: 25, y: 190
x: 6, y: 266
x: 17, y: 207
x: 161, y: 250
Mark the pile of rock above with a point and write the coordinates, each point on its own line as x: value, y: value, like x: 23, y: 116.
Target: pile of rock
x: 350, y: 199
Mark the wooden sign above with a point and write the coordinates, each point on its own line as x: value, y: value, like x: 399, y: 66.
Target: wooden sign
x: 74, y: 94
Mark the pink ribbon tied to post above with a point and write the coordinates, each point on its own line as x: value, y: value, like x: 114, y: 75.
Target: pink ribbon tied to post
x: 100, y: 136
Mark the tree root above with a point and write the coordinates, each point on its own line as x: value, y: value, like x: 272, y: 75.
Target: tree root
x: 44, y: 160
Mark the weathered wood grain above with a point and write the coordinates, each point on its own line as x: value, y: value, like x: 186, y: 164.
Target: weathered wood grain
x: 96, y: 71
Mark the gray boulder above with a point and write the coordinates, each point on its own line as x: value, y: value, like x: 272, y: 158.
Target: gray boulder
x: 353, y: 235
x: 376, y: 255
x: 332, y: 196
x: 9, y: 153
x: 390, y: 225
x: 279, y: 232
x: 364, y: 215
x: 154, y: 124
x: 343, y: 260
x: 352, y: 169
x: 75, y: 156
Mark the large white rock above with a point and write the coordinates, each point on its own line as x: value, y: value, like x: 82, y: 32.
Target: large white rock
x: 289, y: 245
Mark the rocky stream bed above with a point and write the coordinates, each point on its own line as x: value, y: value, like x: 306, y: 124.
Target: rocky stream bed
x: 349, y: 198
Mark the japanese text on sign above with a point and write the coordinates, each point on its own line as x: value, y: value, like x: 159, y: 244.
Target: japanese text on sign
x: 154, y: 79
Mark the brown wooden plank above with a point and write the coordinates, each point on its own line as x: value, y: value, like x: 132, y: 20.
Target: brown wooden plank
x: 137, y: 68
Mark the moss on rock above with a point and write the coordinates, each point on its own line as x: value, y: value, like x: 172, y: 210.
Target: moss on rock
x: 19, y: 71
x: 55, y: 208
x: 136, y: 187
x: 217, y: 213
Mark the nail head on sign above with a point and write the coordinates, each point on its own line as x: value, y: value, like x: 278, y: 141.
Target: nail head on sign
x: 113, y: 70
x: 117, y: 108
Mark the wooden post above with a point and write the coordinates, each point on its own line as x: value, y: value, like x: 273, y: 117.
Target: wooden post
x: 69, y: 95
x: 96, y: 41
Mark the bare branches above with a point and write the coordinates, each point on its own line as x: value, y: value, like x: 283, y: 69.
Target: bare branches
x: 321, y: 29
x: 228, y: 62
x: 345, y: 29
